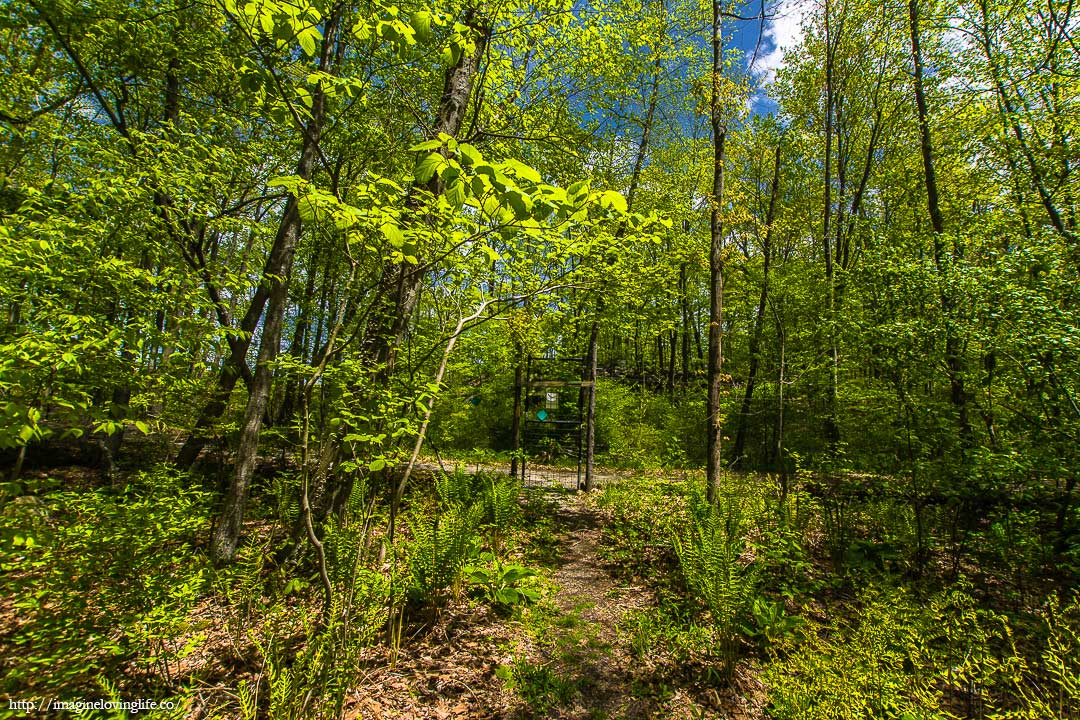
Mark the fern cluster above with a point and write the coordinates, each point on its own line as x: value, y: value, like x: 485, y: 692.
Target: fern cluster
x: 312, y: 682
x: 446, y: 535
x: 501, y: 509
x: 710, y: 554
x: 441, y: 544
x: 455, y: 488
x: 903, y: 656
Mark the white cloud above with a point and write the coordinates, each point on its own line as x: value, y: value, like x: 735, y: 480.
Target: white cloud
x: 784, y: 31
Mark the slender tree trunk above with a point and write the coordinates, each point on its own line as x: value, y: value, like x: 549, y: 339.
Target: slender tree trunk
x: 227, y: 531
x: 778, y: 428
x: 121, y: 396
x: 515, y: 429
x: 298, y: 345
x: 942, y: 261
x: 759, y: 317
x: 684, y: 301
x: 715, y: 422
x: 698, y: 344
x: 639, y: 359
x: 832, y: 423
x: 399, y: 288
x: 590, y: 413
x: 660, y: 362
x: 674, y: 336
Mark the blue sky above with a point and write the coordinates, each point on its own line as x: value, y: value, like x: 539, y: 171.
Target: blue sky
x: 782, y: 31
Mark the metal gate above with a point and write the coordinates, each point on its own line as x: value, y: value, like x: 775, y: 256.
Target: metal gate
x: 553, y: 422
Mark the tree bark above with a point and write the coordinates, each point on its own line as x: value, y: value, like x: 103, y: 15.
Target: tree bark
x: 515, y: 429
x: 832, y: 422
x: 590, y: 413
x: 714, y: 421
x: 227, y: 531
x: 399, y: 288
x: 684, y: 302
x: 778, y: 428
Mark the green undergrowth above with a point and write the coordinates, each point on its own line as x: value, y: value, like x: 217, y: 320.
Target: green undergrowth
x: 557, y: 670
x: 755, y: 579
x: 115, y: 595
x: 104, y: 583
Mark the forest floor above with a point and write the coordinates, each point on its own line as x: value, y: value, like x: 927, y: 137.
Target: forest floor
x: 570, y: 656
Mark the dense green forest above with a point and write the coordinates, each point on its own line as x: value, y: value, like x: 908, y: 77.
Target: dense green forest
x: 276, y: 275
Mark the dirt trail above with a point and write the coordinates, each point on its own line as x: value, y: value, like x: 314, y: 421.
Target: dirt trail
x: 570, y: 661
x: 589, y: 647
x: 593, y: 604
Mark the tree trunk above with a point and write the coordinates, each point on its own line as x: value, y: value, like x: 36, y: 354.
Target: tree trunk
x: 298, y: 345
x: 684, y: 299
x: 778, y: 439
x: 226, y: 536
x: 953, y: 360
x: 759, y: 318
x: 515, y: 429
x: 714, y: 421
x: 660, y: 362
x: 399, y: 288
x: 590, y: 413
x: 674, y: 335
x: 832, y: 423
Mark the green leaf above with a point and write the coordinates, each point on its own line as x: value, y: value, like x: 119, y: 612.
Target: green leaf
x: 468, y: 154
x: 143, y: 427
x: 393, y: 234
x: 377, y: 464
x: 426, y: 145
x: 507, y: 596
x: 515, y: 574
x: 577, y: 189
x: 614, y: 200
x: 295, y: 585
x: 520, y: 203
x: 421, y: 23
x: 455, y: 193
x: 522, y: 170
x: 479, y: 577
x: 289, y: 182
x: 426, y: 168
x: 307, y: 43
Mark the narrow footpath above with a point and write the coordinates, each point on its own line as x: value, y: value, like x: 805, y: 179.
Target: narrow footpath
x: 569, y: 658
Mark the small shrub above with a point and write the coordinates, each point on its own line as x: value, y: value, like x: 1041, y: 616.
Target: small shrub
x: 771, y: 621
x: 501, y: 584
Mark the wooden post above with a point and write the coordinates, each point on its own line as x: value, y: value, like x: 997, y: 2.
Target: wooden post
x: 590, y: 415
x: 515, y: 429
